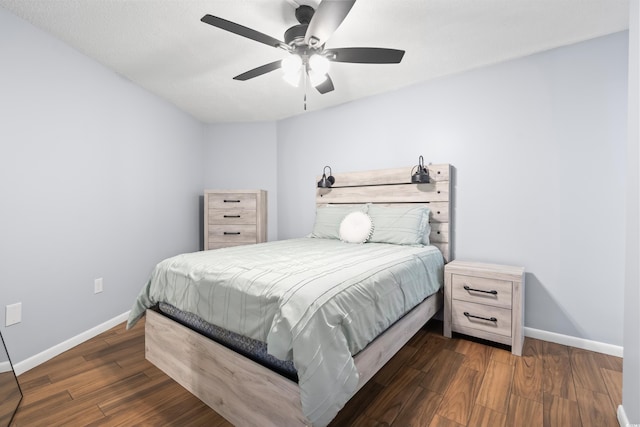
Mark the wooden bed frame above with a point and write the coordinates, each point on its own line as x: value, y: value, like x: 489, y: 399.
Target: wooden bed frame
x: 248, y: 394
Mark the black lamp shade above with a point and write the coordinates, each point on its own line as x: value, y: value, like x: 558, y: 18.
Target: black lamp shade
x: 421, y: 174
x: 326, y: 182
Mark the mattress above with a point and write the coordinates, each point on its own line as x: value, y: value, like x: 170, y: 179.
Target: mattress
x: 248, y: 347
x: 314, y: 302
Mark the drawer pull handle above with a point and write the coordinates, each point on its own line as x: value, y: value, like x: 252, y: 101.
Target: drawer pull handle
x: 231, y: 201
x: 490, y: 319
x: 231, y: 232
x: 232, y: 216
x: 492, y: 292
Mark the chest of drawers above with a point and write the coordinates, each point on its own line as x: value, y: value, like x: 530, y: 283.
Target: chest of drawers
x: 234, y: 217
x: 485, y: 301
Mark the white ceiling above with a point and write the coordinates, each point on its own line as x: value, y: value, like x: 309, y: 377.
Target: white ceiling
x: 162, y: 46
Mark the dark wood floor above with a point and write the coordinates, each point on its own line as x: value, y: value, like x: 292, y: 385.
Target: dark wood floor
x: 433, y: 381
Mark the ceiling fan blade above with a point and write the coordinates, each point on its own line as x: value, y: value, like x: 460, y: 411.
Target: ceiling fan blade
x: 326, y: 20
x: 241, y: 30
x: 325, y: 86
x: 365, y: 55
x: 258, y: 71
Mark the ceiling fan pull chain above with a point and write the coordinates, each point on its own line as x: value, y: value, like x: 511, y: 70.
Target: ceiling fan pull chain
x: 305, y: 88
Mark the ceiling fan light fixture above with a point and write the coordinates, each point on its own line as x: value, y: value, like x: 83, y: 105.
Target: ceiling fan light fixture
x: 292, y: 78
x: 319, y: 64
x: 292, y: 68
x: 291, y: 64
x: 316, y: 78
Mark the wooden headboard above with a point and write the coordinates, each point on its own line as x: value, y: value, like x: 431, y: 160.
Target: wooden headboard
x: 393, y: 187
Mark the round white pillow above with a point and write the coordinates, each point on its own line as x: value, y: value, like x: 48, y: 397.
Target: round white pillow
x: 356, y: 227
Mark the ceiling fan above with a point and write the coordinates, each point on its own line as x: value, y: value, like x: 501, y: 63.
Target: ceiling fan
x: 306, y: 44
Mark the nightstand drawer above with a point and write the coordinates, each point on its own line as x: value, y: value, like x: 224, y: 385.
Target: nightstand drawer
x: 246, y: 201
x: 475, y: 314
x: 232, y: 233
x: 481, y: 290
x: 232, y: 216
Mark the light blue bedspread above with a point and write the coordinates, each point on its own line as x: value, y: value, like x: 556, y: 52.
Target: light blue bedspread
x: 314, y: 301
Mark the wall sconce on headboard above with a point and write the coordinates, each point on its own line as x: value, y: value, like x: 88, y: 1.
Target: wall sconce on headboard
x: 326, y: 182
x: 421, y: 175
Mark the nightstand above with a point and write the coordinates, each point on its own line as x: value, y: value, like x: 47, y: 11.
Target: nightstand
x: 485, y: 301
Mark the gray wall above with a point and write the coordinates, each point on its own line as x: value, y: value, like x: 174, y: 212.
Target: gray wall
x: 538, y: 146
x: 98, y: 178
x: 244, y: 155
x: 631, y: 368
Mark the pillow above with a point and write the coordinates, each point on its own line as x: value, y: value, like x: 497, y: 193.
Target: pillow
x: 356, y: 227
x: 400, y: 225
x: 427, y: 227
x: 328, y: 219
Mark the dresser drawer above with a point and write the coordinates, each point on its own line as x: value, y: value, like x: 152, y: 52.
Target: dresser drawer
x: 502, y: 316
x: 239, y: 233
x: 481, y: 290
x: 231, y: 216
x: 244, y: 201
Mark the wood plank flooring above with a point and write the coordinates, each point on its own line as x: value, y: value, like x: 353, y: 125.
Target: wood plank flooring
x: 432, y: 382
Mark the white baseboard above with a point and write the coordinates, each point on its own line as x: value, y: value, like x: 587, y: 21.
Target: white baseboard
x: 40, y: 358
x: 622, y: 417
x: 52, y: 352
x: 5, y: 366
x: 600, y: 347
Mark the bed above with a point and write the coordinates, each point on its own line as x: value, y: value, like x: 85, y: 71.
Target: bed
x: 307, y: 309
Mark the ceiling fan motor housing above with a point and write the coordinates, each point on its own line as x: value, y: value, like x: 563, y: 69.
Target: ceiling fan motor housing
x: 304, y: 13
x: 294, y: 36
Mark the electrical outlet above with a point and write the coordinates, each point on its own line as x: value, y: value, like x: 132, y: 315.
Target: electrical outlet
x: 97, y: 286
x: 13, y: 314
